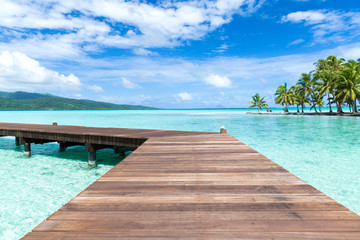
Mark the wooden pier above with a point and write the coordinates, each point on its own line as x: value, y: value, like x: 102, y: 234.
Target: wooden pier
x: 187, y: 185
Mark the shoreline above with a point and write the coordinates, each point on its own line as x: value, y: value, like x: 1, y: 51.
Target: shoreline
x: 346, y: 114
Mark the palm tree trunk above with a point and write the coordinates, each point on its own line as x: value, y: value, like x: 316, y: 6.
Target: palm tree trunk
x: 339, y: 107
x: 286, y: 109
x: 315, y: 109
x: 338, y: 104
x: 355, y: 107
x: 329, y: 102
x: 302, y: 107
x: 297, y: 108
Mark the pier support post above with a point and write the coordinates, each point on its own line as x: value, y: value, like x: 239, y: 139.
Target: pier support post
x: 120, y: 150
x: 92, y: 159
x: 223, y: 130
x: 62, y: 147
x: 27, y: 149
x: 91, y: 149
x: 17, y: 141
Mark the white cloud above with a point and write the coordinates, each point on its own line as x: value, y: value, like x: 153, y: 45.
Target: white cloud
x: 309, y: 17
x: 348, y: 52
x: 143, y: 52
x: 44, y: 47
x: 144, y: 98
x: 296, y: 42
x: 79, y: 26
x: 218, y: 81
x: 328, y: 26
x: 183, y: 96
x: 223, y: 48
x: 95, y: 88
x: 128, y: 84
x: 78, y: 96
x: 19, y: 72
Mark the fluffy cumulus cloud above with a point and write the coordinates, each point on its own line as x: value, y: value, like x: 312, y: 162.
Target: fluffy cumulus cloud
x: 20, y: 72
x: 218, y: 81
x: 328, y: 26
x: 183, y: 96
x: 128, y: 84
x: 309, y: 17
x: 86, y: 25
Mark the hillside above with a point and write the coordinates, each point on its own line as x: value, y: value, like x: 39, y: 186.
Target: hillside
x: 37, y: 101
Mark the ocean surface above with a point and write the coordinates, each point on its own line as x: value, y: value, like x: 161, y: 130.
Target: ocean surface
x: 321, y: 150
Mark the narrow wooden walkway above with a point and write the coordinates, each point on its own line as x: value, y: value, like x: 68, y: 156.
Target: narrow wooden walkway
x: 188, y: 185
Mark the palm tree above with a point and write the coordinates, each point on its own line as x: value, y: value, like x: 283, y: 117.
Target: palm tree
x: 320, y: 102
x: 326, y: 87
x: 285, y: 96
x: 258, y: 102
x: 317, y: 100
x: 305, y: 87
x: 349, y: 84
x: 328, y: 72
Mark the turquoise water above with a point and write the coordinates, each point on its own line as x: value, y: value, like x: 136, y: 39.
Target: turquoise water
x: 322, y: 150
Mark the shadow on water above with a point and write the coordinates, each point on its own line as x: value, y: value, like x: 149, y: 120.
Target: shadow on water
x: 78, y: 153
x: 75, y: 153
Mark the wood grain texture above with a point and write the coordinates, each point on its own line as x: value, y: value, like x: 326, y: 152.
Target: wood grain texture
x: 189, y: 185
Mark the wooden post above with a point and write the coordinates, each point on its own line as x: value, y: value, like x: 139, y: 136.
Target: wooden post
x: 62, y: 147
x: 223, y: 130
x: 92, y: 159
x: 17, y: 141
x: 92, y: 154
x: 120, y: 151
x: 27, y: 149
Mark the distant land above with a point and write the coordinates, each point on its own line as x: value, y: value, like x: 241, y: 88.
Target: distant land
x: 39, y: 101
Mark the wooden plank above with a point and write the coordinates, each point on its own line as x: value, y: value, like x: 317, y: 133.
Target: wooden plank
x: 204, y: 198
x: 123, y: 188
x: 170, y: 216
x: 150, y: 235
x: 198, y: 206
x: 184, y: 226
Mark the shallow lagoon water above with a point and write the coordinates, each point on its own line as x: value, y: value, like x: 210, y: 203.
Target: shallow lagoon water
x: 321, y: 150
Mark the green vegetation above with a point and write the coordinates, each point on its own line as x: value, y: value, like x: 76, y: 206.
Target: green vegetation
x: 36, y: 101
x: 335, y: 79
x: 258, y: 102
x: 285, y: 96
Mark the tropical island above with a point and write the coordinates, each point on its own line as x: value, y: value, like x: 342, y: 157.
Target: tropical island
x: 37, y: 101
x: 336, y: 80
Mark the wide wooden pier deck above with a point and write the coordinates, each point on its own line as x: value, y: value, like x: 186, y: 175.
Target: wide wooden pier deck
x: 189, y: 185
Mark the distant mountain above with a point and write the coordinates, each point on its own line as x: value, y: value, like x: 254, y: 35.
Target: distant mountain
x: 38, y: 101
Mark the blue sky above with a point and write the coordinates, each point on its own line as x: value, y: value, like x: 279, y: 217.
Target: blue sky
x: 170, y: 54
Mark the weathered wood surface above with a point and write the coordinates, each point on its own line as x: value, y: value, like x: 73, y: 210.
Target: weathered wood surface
x: 188, y: 185
x: 105, y: 136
